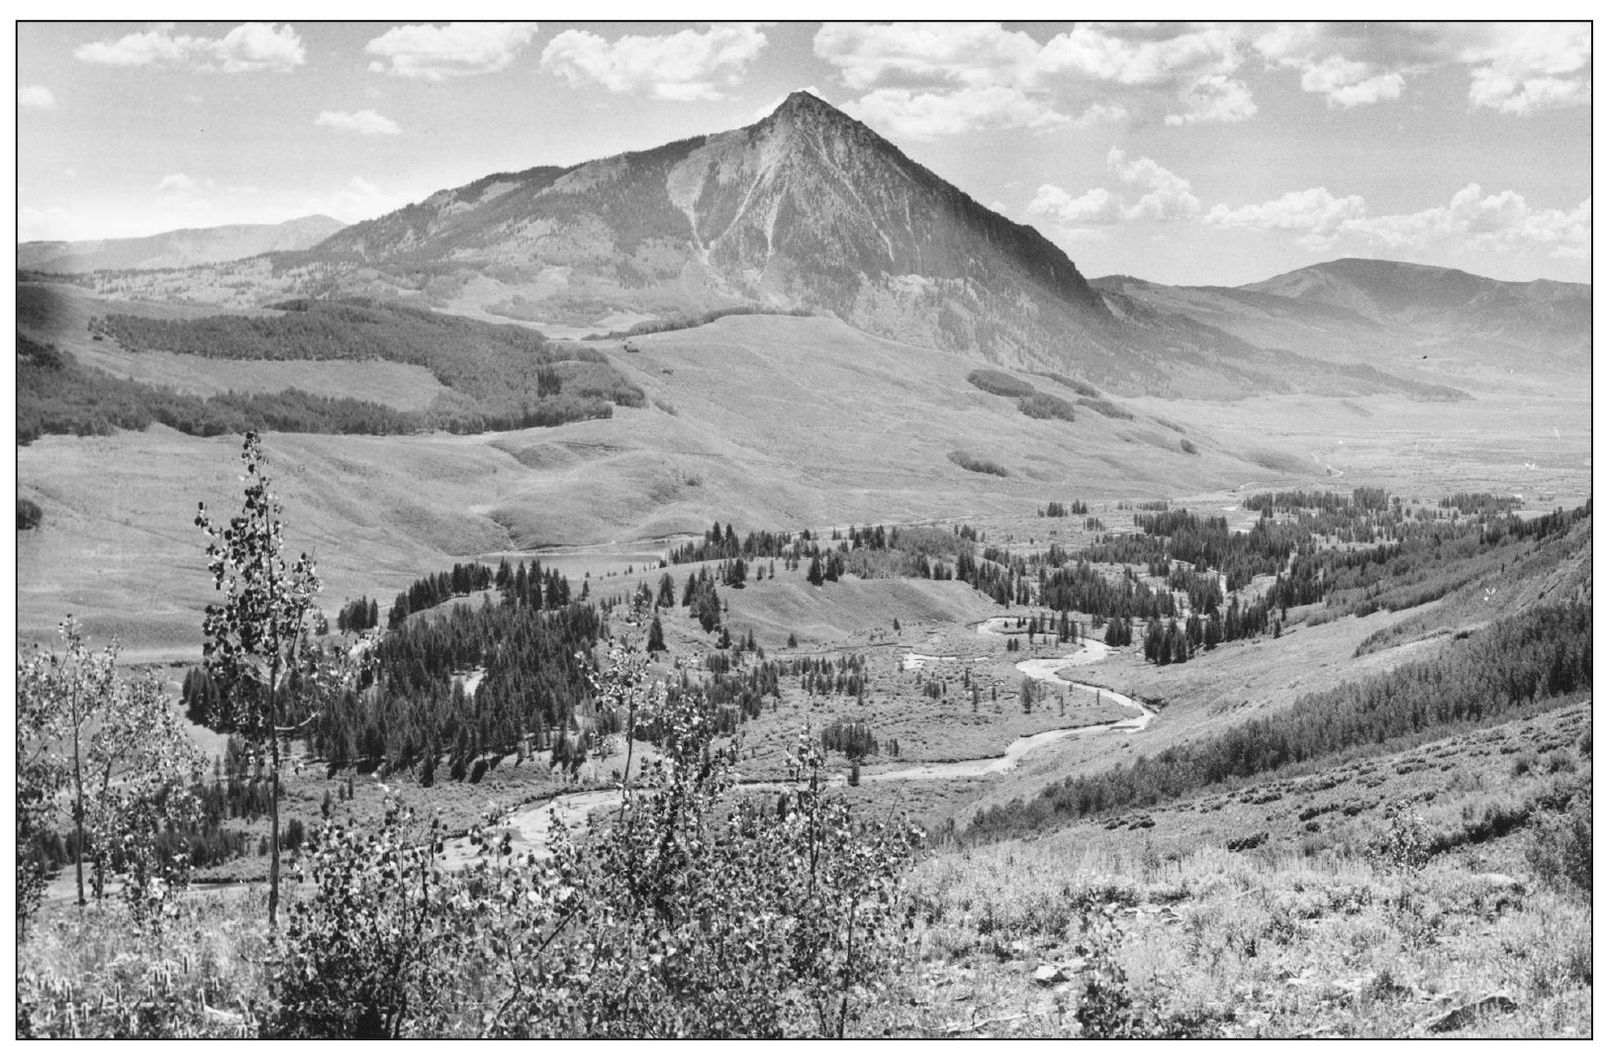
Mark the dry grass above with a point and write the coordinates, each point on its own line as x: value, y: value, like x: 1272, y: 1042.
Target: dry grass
x: 1226, y: 944
x: 96, y: 973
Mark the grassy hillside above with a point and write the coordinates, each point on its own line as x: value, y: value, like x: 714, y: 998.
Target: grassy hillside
x: 767, y: 421
x: 764, y: 421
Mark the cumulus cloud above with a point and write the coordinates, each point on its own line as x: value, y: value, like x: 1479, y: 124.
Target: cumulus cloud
x: 685, y: 66
x: 1214, y: 99
x: 1348, y: 65
x: 923, y: 80
x: 1515, y: 67
x: 928, y: 114
x: 364, y: 122
x: 1139, y: 54
x: 1164, y: 197
x: 35, y: 98
x: 249, y: 47
x: 432, y: 52
x: 1499, y: 222
x: 1093, y: 207
x: 1525, y: 68
x: 1167, y: 197
x: 1314, y: 213
x: 916, y: 54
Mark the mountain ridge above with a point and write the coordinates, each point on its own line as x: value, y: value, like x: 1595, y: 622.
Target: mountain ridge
x: 176, y: 248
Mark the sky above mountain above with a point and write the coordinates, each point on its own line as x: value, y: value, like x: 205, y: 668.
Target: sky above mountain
x: 1215, y: 153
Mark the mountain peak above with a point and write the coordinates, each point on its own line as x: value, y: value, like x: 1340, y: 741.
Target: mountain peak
x: 804, y: 102
x: 802, y: 109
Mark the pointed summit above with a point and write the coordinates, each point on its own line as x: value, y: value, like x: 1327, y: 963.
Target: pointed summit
x: 805, y: 101
x: 807, y: 208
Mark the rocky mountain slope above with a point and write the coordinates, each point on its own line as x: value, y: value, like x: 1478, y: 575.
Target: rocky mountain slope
x: 174, y: 250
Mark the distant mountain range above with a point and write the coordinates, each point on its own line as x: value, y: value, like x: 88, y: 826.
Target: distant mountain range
x: 808, y: 209
x: 175, y: 250
x: 1386, y: 313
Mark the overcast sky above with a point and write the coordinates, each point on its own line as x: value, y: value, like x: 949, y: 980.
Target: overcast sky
x: 1206, y: 154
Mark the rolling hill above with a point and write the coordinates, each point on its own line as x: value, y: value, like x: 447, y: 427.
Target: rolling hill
x: 174, y: 250
x: 1436, y: 325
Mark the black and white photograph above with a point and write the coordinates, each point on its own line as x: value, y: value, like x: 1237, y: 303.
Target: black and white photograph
x: 775, y: 530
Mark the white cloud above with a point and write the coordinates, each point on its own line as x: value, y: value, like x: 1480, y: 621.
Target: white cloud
x: 156, y: 47
x: 915, y: 54
x: 1168, y: 196
x: 1094, y: 207
x: 35, y: 97
x: 1315, y: 213
x: 1501, y: 222
x: 923, y: 80
x: 1165, y: 197
x: 1141, y: 54
x: 364, y: 122
x: 1515, y: 67
x: 176, y: 183
x: 1346, y: 84
x: 430, y: 52
x: 254, y: 46
x: 928, y: 114
x: 1347, y: 65
x: 683, y: 66
x: 249, y: 47
x: 1498, y: 223
x: 1524, y: 68
x: 1214, y: 99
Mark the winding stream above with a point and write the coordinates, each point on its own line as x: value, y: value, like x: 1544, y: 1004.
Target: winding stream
x: 529, y: 825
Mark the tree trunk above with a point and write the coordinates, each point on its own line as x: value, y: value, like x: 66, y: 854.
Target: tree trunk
x: 78, y: 801
x: 274, y: 806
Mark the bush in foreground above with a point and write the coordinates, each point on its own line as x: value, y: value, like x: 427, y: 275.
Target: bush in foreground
x: 683, y: 914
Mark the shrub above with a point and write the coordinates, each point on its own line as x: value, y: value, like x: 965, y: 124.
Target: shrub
x: 680, y: 915
x: 376, y: 945
x: 1560, y: 760
x: 28, y: 514
x: 1561, y: 851
x: 1045, y: 405
x: 999, y: 383
x: 1083, y: 388
x: 1103, y: 407
x: 1406, y: 844
x: 1106, y: 1009
x: 976, y: 465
